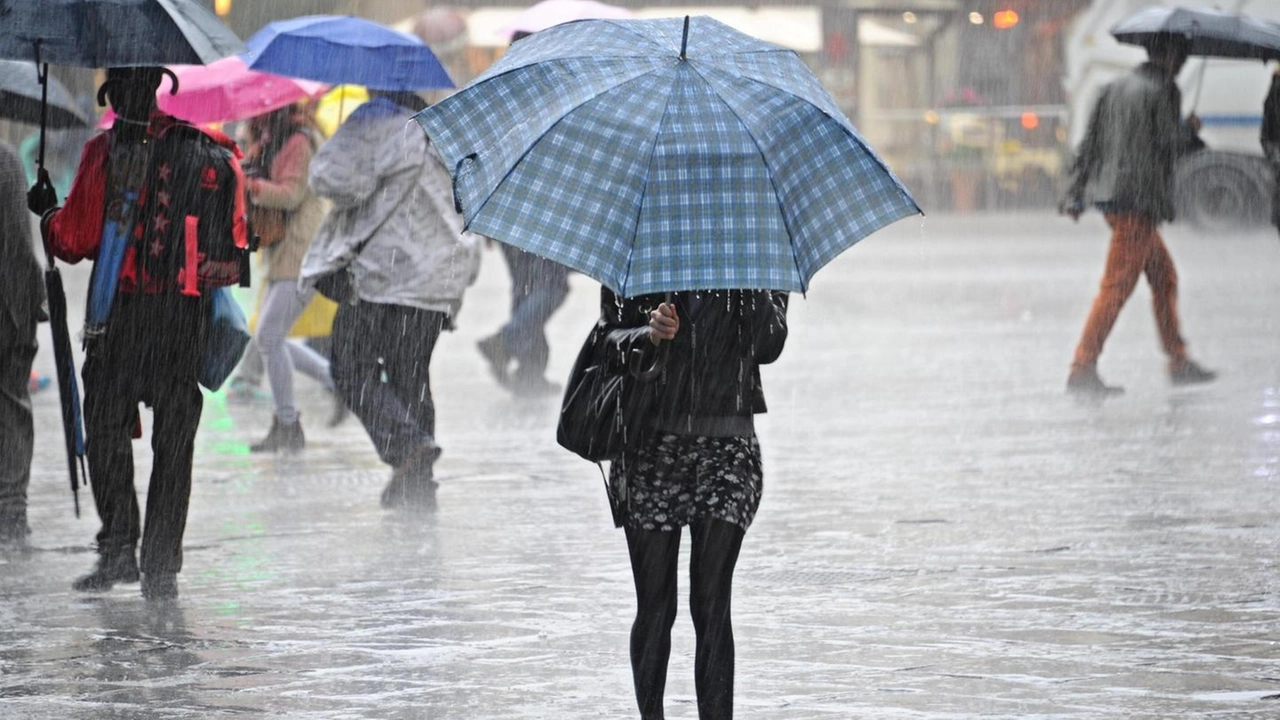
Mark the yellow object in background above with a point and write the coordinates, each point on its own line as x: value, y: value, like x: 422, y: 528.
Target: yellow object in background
x: 317, y: 319
x: 336, y: 106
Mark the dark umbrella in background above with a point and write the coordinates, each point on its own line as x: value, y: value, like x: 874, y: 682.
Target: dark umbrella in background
x: 1211, y: 33
x: 22, y: 96
x: 98, y: 33
x: 21, y: 92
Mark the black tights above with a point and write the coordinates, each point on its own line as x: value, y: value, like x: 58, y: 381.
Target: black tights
x: 654, y: 558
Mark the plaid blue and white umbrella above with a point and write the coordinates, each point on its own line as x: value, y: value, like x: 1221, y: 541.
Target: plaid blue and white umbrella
x: 663, y: 155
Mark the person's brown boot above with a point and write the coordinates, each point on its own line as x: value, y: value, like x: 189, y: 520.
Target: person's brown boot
x: 1085, y: 382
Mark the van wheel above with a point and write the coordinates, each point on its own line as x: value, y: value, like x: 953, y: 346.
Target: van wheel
x: 1220, y: 192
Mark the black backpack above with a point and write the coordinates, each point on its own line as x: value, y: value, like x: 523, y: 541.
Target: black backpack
x: 190, y: 214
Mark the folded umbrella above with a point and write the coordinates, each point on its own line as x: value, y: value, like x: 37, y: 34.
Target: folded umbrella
x: 341, y: 50
x: 656, y: 155
x: 20, y: 93
x: 1213, y: 33
x: 68, y: 390
x: 227, y: 90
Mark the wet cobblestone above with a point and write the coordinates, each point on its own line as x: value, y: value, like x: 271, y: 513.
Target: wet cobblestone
x: 944, y: 534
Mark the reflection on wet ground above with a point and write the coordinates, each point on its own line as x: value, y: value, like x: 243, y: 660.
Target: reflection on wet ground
x: 944, y: 534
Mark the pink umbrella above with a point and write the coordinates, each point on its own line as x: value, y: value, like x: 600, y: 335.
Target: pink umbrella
x: 227, y: 90
x: 553, y: 12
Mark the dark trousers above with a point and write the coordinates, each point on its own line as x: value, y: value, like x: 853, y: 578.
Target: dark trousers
x: 381, y: 366
x: 654, y: 558
x: 150, y: 354
x: 538, y: 288
x: 17, y: 430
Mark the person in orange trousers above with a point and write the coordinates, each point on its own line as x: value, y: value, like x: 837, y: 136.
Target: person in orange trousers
x: 1125, y: 167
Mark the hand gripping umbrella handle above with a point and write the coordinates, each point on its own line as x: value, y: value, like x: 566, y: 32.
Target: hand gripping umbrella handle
x: 457, y: 171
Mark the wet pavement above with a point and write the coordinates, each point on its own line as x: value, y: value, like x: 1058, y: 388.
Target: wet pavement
x: 944, y: 534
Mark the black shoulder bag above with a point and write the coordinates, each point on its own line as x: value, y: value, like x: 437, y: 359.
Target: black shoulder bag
x: 607, y: 401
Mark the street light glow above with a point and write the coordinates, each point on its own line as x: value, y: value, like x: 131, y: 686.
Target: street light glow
x: 1005, y: 19
x: 976, y: 18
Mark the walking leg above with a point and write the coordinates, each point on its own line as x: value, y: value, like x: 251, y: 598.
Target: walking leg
x: 280, y: 309
x: 357, y: 367
x: 110, y: 410
x: 1130, y: 248
x: 17, y: 431
x: 654, y: 561
x: 715, y: 554
x: 177, y: 405
x: 1163, y: 279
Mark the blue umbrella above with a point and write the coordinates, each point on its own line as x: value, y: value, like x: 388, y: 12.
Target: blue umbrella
x: 346, y: 50
x: 656, y: 155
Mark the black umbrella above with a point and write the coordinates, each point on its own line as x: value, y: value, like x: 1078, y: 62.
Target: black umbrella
x: 113, y: 33
x: 20, y: 93
x: 68, y: 390
x: 1212, y: 33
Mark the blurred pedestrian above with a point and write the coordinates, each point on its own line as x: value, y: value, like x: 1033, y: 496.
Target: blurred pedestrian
x: 394, y: 233
x: 538, y: 288
x: 285, y: 215
x: 1125, y: 167
x: 159, y: 205
x: 1271, y: 140
x: 697, y: 464
x: 21, y: 292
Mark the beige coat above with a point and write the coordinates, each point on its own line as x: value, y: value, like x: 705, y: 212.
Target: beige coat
x: 286, y: 189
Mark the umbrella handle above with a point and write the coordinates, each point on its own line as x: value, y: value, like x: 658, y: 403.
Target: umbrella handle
x: 42, y: 74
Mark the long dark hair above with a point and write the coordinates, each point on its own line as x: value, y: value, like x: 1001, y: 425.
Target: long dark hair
x: 268, y: 133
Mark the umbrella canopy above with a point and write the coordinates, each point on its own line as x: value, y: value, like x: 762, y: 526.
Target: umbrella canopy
x: 114, y: 33
x: 346, y: 50
x: 1212, y: 32
x: 550, y: 13
x: 611, y: 147
x: 227, y: 90
x: 20, y: 97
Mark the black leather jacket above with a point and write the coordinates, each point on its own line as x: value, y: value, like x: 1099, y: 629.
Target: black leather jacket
x: 711, y: 381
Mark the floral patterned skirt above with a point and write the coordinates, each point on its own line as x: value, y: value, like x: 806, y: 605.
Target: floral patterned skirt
x: 677, y: 479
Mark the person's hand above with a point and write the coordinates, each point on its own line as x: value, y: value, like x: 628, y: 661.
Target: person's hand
x: 42, y: 198
x: 663, y: 323
x: 1193, y: 122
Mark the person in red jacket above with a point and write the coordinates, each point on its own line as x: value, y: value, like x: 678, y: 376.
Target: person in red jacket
x: 149, y: 204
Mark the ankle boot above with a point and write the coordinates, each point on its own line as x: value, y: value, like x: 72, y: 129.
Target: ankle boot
x: 281, y: 438
x: 111, y: 569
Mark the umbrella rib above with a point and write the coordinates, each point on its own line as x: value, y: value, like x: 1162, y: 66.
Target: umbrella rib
x: 507, y: 175
x: 653, y: 149
x: 795, y: 256
x: 844, y: 124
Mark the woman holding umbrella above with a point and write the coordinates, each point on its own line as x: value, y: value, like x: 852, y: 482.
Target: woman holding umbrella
x: 699, y: 466
x: 286, y: 215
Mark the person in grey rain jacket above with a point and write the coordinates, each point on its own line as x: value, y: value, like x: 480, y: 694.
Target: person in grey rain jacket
x: 393, y: 228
